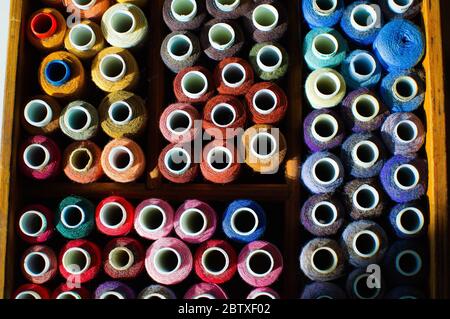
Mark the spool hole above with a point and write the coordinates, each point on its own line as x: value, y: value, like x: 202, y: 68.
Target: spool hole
x: 325, y: 5
x: 120, y: 112
x: 364, y: 16
x: 324, y: 260
x: 269, y: 57
x: 366, y: 198
x: 36, y: 264
x: 215, y: 260
x: 180, y: 46
x: 193, y: 222
x: 264, y: 145
x: 113, y: 67
x: 76, y: 260
x: 82, y: 36
x: 326, y: 171
x: 43, y: 25
x: 411, y: 219
x: 194, y: 83
x: 406, y: 131
x: 113, y: 215
x: 260, y: 263
x: 366, y: 153
x: 81, y: 159
x: 28, y: 295
x: 265, y: 101
x: 219, y: 159
x: 362, y: 290
x: 365, y: 108
x: 152, y: 218
x: 408, y: 263
x: 363, y: 65
x: 36, y: 156
x: 327, y: 84
x: 167, y: 260
x: 233, y: 74
x: 366, y: 243
x: 177, y: 160
x: 406, y: 176
x: 121, y: 258
x: 325, y: 127
x: 324, y: 213
x: 183, y: 8
x: 223, y: 115
x: 265, y: 17
x: 121, y: 158
x: 72, y: 216
x: 244, y: 221
x: 325, y: 44
x: 122, y: 21
x: 77, y: 118
x: 32, y: 223
x: 38, y: 113
x: 57, y: 72
x: 405, y: 88
x: 221, y: 35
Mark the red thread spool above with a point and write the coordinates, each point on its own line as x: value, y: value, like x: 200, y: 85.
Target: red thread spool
x: 193, y: 85
x: 220, y: 162
x: 195, y: 221
x: 80, y: 261
x: 215, y: 262
x: 267, y: 103
x: 41, y: 158
x: 46, y: 29
x: 35, y: 224
x: 176, y: 164
x: 31, y: 291
x: 82, y: 162
x: 223, y: 116
x: 178, y: 123
x: 39, y: 264
x: 65, y: 291
x: 87, y: 9
x: 43, y: 25
x: 233, y: 76
x: 123, y: 258
x: 153, y: 219
x: 114, y: 216
x: 205, y: 291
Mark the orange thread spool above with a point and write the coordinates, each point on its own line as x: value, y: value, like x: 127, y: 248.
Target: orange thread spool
x: 85, y: 40
x: 88, y: 9
x: 81, y: 162
x: 40, y: 115
x: 46, y: 29
x: 220, y: 162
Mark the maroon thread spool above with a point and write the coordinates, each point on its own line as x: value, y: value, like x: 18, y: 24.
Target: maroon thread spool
x: 123, y: 258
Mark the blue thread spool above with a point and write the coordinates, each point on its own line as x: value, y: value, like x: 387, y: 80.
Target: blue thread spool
x: 324, y: 48
x: 57, y: 72
x: 322, y: 172
x: 323, y: 130
x: 361, y: 70
x: 400, y: 45
x: 408, y: 220
x: 75, y: 217
x: 322, y: 13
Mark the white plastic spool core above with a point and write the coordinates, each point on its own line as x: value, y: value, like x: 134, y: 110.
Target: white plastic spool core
x: 82, y: 37
x: 219, y: 159
x: 366, y: 244
x: 72, y: 216
x: 265, y: 17
x: 33, y: 223
x: 113, y: 67
x: 120, y: 113
x: 324, y: 7
x: 366, y: 198
x: 362, y: 291
x: 365, y: 108
x: 324, y: 45
x: 408, y: 263
x: 205, y: 296
x: 76, y: 260
x: 193, y: 222
x: 155, y: 295
x: 406, y: 131
x: 405, y: 88
x: 269, y: 58
x: 221, y: 36
x: 36, y: 156
x: 111, y: 295
x: 121, y: 158
x: 324, y: 260
x: 410, y: 220
x: 36, y: 264
x: 223, y: 115
x: 263, y: 295
x: 81, y: 159
x: 184, y: 10
x: 68, y: 295
x: 167, y: 261
x: 122, y: 22
x: 177, y: 161
x: 365, y: 154
x: 363, y: 17
x: 194, y: 84
x: 38, y: 113
x: 77, y: 119
x: 324, y: 214
x: 179, y: 122
x: 234, y: 75
x: 324, y: 128
x: 400, y: 6
x: 362, y: 66
x: 406, y: 177
x: 325, y: 171
x: 121, y: 258
x: 244, y: 221
x: 327, y: 85
x: 215, y: 261
x: 113, y: 215
x: 227, y: 5
x: 259, y: 263
x: 152, y: 218
x: 265, y: 101
x: 28, y: 294
x: 180, y: 47
x: 84, y: 4
x: 263, y: 145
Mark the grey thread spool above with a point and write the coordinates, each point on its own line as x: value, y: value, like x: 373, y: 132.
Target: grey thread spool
x: 365, y: 243
x: 357, y: 285
x: 221, y: 38
x: 322, y: 290
x: 228, y: 9
x: 322, y: 259
x: 179, y: 50
x: 184, y: 14
x: 363, y: 155
x: 79, y: 121
x: 364, y: 199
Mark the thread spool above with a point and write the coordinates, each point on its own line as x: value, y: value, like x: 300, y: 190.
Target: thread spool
x: 46, y: 29
x: 358, y: 287
x: 322, y: 215
x: 87, y: 9
x: 362, y: 111
x: 405, y: 263
x: 266, y: 21
x: 267, y: 103
x: 215, y: 262
x: 325, y: 88
x: 263, y: 293
x: 228, y: 9
x: 404, y: 178
x: 220, y: 163
x: 176, y: 163
x: 153, y: 219
x: 364, y: 199
x: 31, y: 292
x: 400, y: 45
x: 114, y: 216
x: 408, y: 220
x: 168, y: 261
x: 224, y: 117
x: 157, y: 292
x: 265, y: 148
x: 269, y: 60
x: 35, y: 224
x: 75, y: 217
x: 195, y: 222
x: 85, y: 40
x: 193, y: 85
x: 41, y: 115
x: 322, y: 172
x: 260, y: 264
x: 322, y: 13
x: 362, y: 22
x: 403, y: 91
x: 123, y: 160
x: 233, y: 76
x: 184, y: 14
x: 361, y: 69
x: 79, y: 121
x: 61, y: 75
x: 41, y: 158
x: 123, y: 258
x: 53, y: 3
x: 79, y: 261
x: 205, y: 291
x: 244, y: 221
x: 221, y: 39
x: 39, y: 264
x: 124, y: 25
x: 115, y: 69
x: 123, y: 114
x: 81, y: 162
x: 322, y: 290
x: 180, y: 49
x: 114, y: 290
x: 365, y: 243
x: 67, y: 292
x: 397, y: 9
x: 323, y: 130
x: 324, y: 48
x: 179, y: 123
x: 405, y: 293
x: 363, y: 155
x: 322, y: 259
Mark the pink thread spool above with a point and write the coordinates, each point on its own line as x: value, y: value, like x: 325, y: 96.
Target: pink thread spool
x: 177, y: 123
x: 263, y: 293
x: 153, y: 219
x: 35, y: 224
x: 205, y: 291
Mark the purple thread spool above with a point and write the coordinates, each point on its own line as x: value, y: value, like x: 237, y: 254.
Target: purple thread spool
x: 323, y: 130
x: 408, y: 220
x: 322, y: 290
x: 114, y: 290
x: 322, y: 172
x: 364, y: 199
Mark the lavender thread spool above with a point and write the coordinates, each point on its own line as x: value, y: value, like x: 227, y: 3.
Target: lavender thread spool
x: 323, y: 130
x: 322, y: 290
x: 322, y: 172
x: 357, y: 285
x: 408, y: 220
x: 364, y: 199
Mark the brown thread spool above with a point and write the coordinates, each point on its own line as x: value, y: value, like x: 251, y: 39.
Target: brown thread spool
x: 176, y: 164
x: 220, y: 162
x: 139, y: 3
x: 81, y: 162
x: 267, y: 103
x: 123, y: 160
x: 265, y: 148
x: 228, y: 9
x: 233, y: 76
x: 115, y: 69
x: 193, y: 85
x: 178, y: 123
x: 62, y: 75
x: 85, y: 40
x: 87, y: 9
x: 123, y: 114
x: 184, y: 14
x: 223, y: 116
x: 40, y: 115
x: 46, y: 29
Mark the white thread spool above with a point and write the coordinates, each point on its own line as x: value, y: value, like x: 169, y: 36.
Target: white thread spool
x: 167, y: 261
x: 325, y: 171
x: 121, y: 158
x: 366, y: 244
x: 234, y: 75
x: 362, y: 66
x: 324, y: 260
x: 269, y: 58
x: 365, y: 154
x: 76, y: 260
x: 324, y: 7
x: 410, y: 220
x: 400, y: 6
x: 215, y: 261
x: 180, y: 47
x: 113, y: 215
x: 179, y: 122
x: 36, y: 156
x: 183, y: 10
x: 324, y: 214
x: 82, y: 37
x: 219, y: 159
x: 406, y: 177
x: 38, y: 113
x: 265, y: 17
x: 221, y: 36
x: 325, y: 46
x: 265, y: 101
x: 33, y: 223
x: 77, y: 119
x: 365, y: 108
x: 152, y: 218
x: 193, y: 222
x: 121, y: 258
x: 177, y: 161
x: 194, y: 84
x: 259, y: 263
x: 223, y: 115
x: 324, y: 128
x: 113, y: 67
x: 120, y: 113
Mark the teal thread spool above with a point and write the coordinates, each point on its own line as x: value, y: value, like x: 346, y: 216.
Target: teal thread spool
x: 75, y: 217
